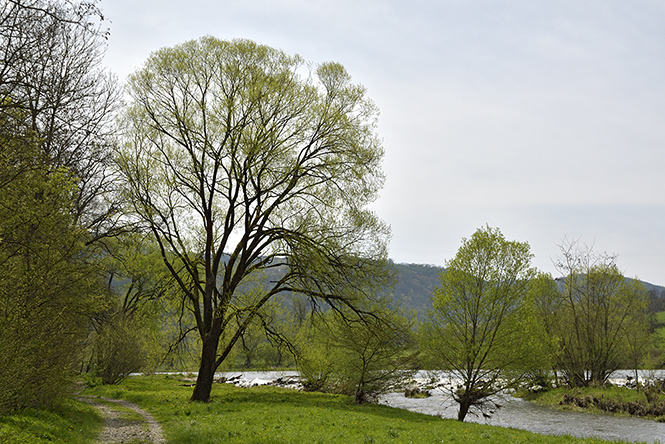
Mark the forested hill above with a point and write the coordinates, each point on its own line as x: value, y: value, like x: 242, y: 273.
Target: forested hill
x: 416, y: 283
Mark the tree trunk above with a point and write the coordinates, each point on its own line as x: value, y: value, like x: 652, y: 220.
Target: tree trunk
x: 360, y: 396
x: 206, y: 371
x: 577, y: 378
x: 464, y: 405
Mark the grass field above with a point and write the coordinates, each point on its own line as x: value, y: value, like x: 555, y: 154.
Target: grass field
x: 660, y: 326
x: 69, y: 421
x: 268, y: 415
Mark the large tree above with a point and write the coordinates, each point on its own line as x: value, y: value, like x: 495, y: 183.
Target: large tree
x: 51, y: 70
x: 480, y: 323
x: 240, y: 158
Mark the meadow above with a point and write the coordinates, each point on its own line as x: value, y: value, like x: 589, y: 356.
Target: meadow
x: 270, y: 415
x: 260, y: 415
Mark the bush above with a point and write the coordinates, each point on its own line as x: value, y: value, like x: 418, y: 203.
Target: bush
x: 360, y: 358
x: 39, y: 356
x: 120, y: 349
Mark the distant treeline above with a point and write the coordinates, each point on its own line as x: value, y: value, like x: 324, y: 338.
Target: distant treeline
x: 417, y: 281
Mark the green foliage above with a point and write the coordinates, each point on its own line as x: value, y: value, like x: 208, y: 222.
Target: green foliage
x: 47, y: 288
x: 541, y: 304
x: 54, y: 110
x: 135, y: 330
x: 639, y: 346
x: 658, y: 337
x: 120, y: 348
x: 267, y: 415
x: 480, y: 325
x: 315, y: 362
x: 241, y: 162
x: 362, y: 357
x: 598, y: 317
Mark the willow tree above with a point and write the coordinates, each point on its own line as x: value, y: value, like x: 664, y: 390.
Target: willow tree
x: 601, y: 318
x: 245, y: 161
x: 480, y: 326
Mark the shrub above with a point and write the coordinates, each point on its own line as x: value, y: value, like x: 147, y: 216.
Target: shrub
x: 120, y: 349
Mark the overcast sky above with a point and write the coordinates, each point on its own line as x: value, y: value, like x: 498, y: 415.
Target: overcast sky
x: 544, y: 119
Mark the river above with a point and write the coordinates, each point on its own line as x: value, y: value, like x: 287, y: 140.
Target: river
x: 516, y: 413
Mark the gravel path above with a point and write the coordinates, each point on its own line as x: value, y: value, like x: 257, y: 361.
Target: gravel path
x: 118, y: 429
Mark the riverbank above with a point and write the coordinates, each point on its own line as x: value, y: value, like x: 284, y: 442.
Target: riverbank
x: 643, y: 403
x: 267, y: 415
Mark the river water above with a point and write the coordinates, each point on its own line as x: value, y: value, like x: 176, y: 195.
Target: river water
x: 520, y: 414
x: 516, y: 413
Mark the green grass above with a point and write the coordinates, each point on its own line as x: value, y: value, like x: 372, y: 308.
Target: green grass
x: 69, y: 421
x: 268, y: 415
x: 660, y: 326
x: 660, y: 317
x: 616, y: 400
x: 554, y: 397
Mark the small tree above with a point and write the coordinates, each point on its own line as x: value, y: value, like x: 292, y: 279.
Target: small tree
x: 545, y: 302
x: 639, y: 341
x: 597, y: 309
x: 377, y: 356
x: 479, y: 325
x: 361, y: 357
x: 139, y: 322
x: 120, y: 348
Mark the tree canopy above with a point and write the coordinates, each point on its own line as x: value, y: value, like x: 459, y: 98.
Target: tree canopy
x: 240, y: 158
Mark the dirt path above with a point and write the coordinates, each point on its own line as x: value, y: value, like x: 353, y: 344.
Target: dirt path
x: 120, y: 429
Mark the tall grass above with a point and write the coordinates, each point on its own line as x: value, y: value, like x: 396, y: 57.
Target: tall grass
x: 69, y: 421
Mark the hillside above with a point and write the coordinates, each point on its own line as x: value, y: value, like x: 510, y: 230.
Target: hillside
x: 417, y: 281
